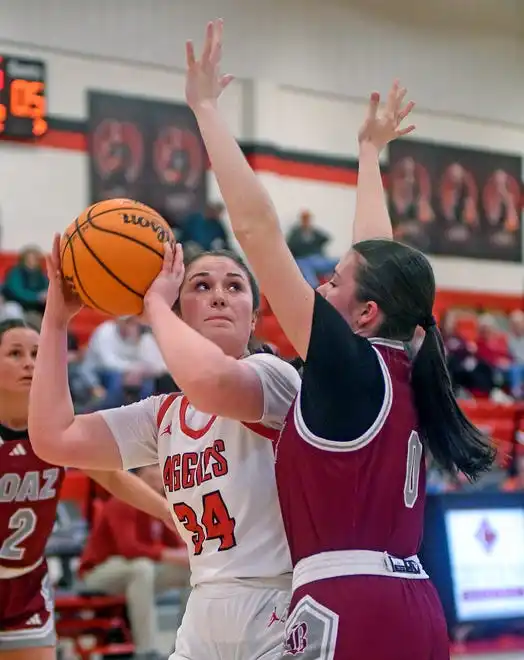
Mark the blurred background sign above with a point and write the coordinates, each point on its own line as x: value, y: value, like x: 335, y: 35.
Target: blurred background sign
x: 146, y: 150
x: 454, y: 201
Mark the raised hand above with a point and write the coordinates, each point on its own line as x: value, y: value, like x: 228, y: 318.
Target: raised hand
x: 204, y: 82
x: 167, y: 284
x: 62, y: 302
x: 379, y: 128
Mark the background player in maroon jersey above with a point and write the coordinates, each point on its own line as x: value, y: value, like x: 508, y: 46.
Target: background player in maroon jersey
x: 350, y: 459
x: 29, y: 493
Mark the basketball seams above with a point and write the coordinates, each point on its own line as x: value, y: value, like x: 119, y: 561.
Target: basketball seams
x: 129, y: 238
x: 89, y: 218
x: 78, y: 227
x: 95, y: 245
x: 106, y: 268
x: 79, y: 281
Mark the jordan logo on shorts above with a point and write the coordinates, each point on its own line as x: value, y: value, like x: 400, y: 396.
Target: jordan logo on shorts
x: 35, y: 620
x: 275, y: 618
x: 296, y: 641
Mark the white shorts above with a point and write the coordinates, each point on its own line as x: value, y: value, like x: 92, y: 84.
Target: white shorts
x: 232, y: 621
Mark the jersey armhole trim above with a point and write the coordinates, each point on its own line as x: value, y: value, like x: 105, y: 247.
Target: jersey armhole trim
x: 360, y: 442
x: 264, y: 431
x: 166, y: 404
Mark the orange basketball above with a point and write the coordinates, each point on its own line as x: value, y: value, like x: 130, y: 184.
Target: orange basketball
x: 112, y: 253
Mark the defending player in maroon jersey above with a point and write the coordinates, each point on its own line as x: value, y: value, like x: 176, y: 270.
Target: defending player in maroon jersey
x: 373, y: 481
x: 29, y: 494
x: 349, y: 461
x: 354, y: 511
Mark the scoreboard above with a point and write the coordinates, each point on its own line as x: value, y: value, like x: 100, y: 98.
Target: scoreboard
x: 23, y: 98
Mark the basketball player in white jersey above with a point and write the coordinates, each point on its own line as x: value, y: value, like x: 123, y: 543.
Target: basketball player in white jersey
x: 213, y: 445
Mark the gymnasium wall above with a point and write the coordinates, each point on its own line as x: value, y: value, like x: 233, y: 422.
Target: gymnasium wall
x: 304, y: 70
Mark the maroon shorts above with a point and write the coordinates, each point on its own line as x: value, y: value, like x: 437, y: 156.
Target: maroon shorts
x: 371, y: 617
x: 26, y: 611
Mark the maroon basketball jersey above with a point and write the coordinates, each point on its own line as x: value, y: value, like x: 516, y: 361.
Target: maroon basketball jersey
x: 29, y: 492
x: 364, y: 494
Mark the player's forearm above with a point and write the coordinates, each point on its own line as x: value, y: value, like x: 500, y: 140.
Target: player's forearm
x: 51, y: 410
x: 132, y: 490
x: 249, y: 206
x: 195, y: 363
x: 371, y: 215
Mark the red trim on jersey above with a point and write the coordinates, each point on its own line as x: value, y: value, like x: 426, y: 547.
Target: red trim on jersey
x: 166, y: 404
x: 270, y: 434
x: 196, y: 434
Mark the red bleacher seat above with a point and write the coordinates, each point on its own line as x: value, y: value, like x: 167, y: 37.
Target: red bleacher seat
x: 500, y: 422
x: 99, y: 619
x: 85, y: 322
x: 466, y: 327
x: 269, y: 330
x: 479, y: 410
x: 7, y: 260
x: 76, y: 488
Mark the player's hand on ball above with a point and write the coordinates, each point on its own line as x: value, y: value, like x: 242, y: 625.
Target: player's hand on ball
x: 204, y: 82
x: 166, y: 285
x: 62, y: 303
x: 379, y: 128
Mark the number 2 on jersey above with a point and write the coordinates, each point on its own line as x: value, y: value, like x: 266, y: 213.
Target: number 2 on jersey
x: 216, y: 523
x: 23, y: 522
x: 412, y: 470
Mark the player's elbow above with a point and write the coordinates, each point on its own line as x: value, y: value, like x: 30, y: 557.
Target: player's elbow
x: 204, y: 390
x: 233, y: 391
x: 50, y: 447
x: 69, y: 447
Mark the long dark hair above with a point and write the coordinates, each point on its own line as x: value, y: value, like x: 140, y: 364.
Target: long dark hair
x: 254, y: 345
x: 401, y: 281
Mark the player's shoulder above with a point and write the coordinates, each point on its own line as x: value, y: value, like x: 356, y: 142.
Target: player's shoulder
x: 272, y: 365
x: 165, y: 406
x: 146, y: 413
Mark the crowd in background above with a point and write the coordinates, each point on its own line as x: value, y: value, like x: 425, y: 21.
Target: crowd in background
x: 121, y: 362
x: 485, y: 354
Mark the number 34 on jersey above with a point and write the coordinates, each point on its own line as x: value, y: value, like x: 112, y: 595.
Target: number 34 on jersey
x: 215, y: 522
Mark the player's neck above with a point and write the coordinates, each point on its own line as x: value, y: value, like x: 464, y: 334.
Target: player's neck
x: 13, y: 411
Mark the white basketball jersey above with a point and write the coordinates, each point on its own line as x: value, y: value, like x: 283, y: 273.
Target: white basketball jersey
x: 219, y: 475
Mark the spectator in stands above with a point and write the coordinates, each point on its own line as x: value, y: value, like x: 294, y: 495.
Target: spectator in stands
x: 131, y: 553
x: 516, y: 351
x: 123, y: 356
x: 205, y: 231
x: 469, y: 374
x: 26, y: 283
x: 492, y: 349
x: 306, y: 243
x: 86, y: 390
x: 8, y: 309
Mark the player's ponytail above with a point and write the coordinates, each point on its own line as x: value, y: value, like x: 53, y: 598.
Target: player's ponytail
x: 401, y: 281
x: 454, y: 442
